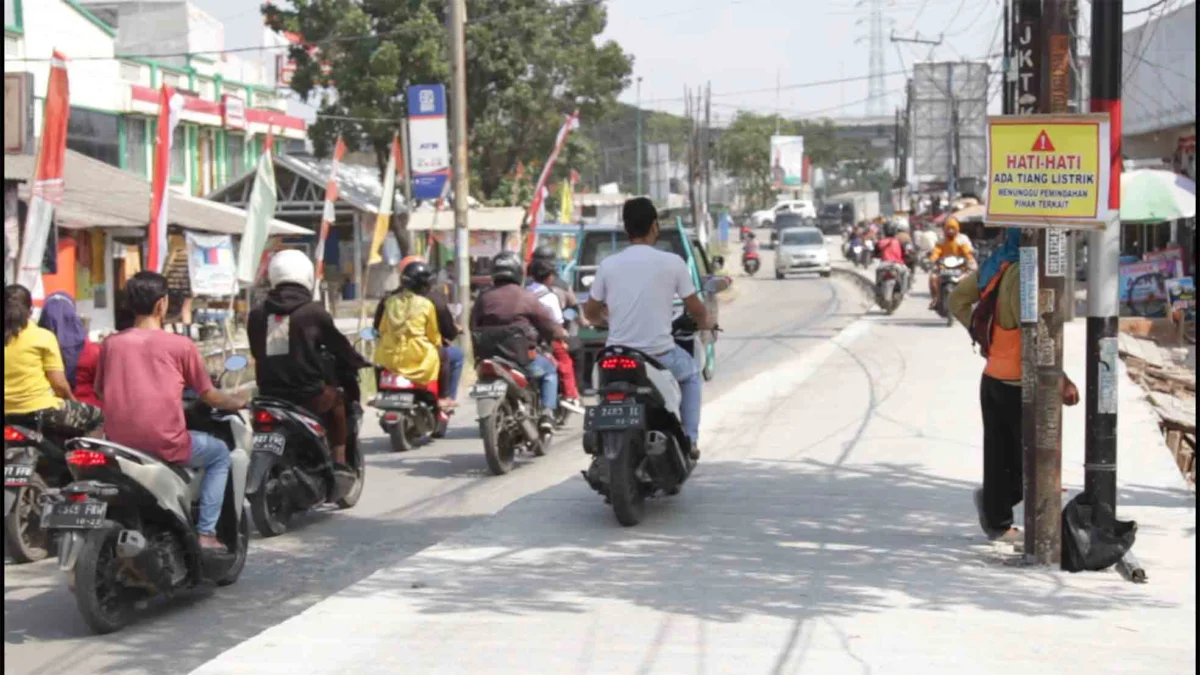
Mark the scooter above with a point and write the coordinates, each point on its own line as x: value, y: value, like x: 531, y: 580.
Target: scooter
x: 750, y: 263
x: 292, y: 467
x: 508, y: 403
x: 950, y: 270
x: 409, y: 412
x: 889, y: 293
x: 34, y: 463
x: 126, y: 525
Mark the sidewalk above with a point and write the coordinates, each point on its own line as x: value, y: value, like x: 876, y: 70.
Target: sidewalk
x: 829, y: 529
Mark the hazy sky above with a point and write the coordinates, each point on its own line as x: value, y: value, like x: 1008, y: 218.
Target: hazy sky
x: 745, y: 45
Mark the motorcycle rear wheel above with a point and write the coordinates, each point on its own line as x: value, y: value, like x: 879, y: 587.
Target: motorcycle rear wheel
x: 24, y: 538
x: 105, y: 604
x: 625, y: 490
x: 497, y: 449
x: 269, y: 520
x: 399, y: 435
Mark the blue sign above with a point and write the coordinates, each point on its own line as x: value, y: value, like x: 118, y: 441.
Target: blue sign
x: 426, y: 99
x: 429, y: 148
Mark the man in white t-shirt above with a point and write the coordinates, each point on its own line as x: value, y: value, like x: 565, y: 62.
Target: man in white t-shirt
x: 634, y: 293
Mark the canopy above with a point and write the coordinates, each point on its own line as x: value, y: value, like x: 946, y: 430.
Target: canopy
x: 1155, y: 196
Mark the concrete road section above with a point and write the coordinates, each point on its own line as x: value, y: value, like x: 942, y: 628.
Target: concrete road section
x: 828, y: 529
x: 410, y: 502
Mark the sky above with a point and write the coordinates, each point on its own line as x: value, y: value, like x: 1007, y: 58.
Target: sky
x: 751, y: 45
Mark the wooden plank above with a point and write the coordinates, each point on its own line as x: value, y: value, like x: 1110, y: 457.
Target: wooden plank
x: 1174, y: 441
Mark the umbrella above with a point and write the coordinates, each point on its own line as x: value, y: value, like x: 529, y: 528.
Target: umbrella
x: 1155, y: 196
x: 971, y: 213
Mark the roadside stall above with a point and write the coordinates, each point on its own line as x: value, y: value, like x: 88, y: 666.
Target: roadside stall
x: 491, y: 230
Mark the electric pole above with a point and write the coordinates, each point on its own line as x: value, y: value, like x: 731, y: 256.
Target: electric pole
x: 639, y: 137
x: 706, y: 155
x: 458, y: 106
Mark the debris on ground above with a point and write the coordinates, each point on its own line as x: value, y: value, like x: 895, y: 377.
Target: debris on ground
x: 1169, y: 377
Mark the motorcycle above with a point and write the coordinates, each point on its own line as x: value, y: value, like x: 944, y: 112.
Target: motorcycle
x: 508, y: 403
x: 949, y: 270
x: 864, y: 254
x: 635, y: 434
x: 126, y: 525
x: 750, y: 263
x: 292, y: 466
x: 889, y: 292
x: 409, y: 413
x: 34, y: 463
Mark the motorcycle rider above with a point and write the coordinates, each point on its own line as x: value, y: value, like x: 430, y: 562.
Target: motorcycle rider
x: 953, y: 244
x: 506, y: 310
x: 289, y: 338
x: 450, y: 355
x: 634, y: 291
x: 407, y: 321
x: 542, y: 275
x: 141, y: 377
x: 750, y: 248
x: 891, y: 250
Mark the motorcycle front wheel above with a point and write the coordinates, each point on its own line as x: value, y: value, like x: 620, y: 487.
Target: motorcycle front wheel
x: 270, y: 507
x: 106, y: 604
x: 625, y: 490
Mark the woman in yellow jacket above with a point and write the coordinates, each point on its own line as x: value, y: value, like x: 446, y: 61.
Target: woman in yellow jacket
x: 408, y: 330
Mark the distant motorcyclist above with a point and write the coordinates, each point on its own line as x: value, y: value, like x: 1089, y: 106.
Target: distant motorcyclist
x: 289, y: 338
x: 542, y: 275
x: 507, y: 318
x: 750, y: 247
x: 891, y: 250
x: 954, y: 243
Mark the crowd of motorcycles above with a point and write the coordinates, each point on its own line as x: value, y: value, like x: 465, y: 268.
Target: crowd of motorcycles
x: 122, y: 522
x: 890, y: 287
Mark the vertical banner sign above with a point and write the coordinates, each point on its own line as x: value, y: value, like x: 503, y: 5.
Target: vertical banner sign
x: 328, y: 215
x: 572, y: 122
x: 170, y: 105
x: 48, y: 183
x: 787, y: 161
x: 384, y: 220
x: 1060, y: 73
x: 1029, y: 284
x: 1029, y: 66
x: 430, y: 149
x: 1056, y: 252
x: 259, y: 213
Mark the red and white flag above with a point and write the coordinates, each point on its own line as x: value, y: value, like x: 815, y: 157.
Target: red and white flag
x: 170, y: 105
x: 48, y: 183
x: 571, y: 123
x: 327, y: 215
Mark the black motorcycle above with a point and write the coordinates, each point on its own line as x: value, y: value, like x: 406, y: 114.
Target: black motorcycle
x: 292, y: 464
x: 34, y: 463
x: 889, y: 289
x: 949, y: 271
x: 508, y: 402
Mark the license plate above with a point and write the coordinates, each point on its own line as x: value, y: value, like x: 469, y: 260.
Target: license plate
x: 614, y: 417
x: 395, y: 399
x: 85, y: 515
x: 269, y: 443
x: 489, y: 390
x: 17, y: 475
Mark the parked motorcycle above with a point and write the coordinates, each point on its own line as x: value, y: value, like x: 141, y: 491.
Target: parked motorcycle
x: 750, y: 263
x: 636, y: 433
x: 509, y: 407
x: 126, y: 525
x: 292, y: 467
x: 949, y: 270
x: 34, y: 464
x: 408, y: 412
x: 889, y: 291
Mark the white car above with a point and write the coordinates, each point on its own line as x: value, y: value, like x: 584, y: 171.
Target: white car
x: 801, y: 249
x: 801, y: 207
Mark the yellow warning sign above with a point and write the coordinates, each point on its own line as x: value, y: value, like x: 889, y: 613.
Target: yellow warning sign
x: 1050, y: 171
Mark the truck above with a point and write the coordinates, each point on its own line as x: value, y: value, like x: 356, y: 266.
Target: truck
x: 847, y: 208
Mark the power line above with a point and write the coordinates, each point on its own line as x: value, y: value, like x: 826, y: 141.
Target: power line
x: 802, y: 85
x: 1147, y: 8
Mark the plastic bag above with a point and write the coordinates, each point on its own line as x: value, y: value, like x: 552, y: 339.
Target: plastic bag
x: 1092, y: 537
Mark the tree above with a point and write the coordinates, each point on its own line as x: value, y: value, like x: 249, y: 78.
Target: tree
x: 529, y: 63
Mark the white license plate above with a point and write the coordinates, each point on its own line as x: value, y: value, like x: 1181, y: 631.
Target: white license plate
x: 17, y: 475
x: 269, y: 443
x: 489, y: 390
x: 85, y: 515
x: 392, y: 399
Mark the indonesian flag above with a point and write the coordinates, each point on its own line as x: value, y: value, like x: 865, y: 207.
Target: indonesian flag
x: 170, y: 105
x: 383, y: 220
x: 327, y: 216
x: 571, y: 123
x: 259, y: 212
x: 48, y: 186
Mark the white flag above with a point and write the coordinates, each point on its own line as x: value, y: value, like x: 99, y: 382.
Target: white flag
x: 259, y: 213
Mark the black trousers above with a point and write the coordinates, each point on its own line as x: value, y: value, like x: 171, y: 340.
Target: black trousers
x: 1003, y: 487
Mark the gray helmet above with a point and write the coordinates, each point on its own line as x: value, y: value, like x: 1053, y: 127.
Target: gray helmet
x: 507, y: 268
x: 545, y: 252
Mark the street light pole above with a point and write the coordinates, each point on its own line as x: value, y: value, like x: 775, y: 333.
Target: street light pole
x: 639, y: 136
x: 458, y: 107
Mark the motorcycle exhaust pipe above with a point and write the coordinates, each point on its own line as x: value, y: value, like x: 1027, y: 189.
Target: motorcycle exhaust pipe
x: 131, y: 545
x: 666, y: 461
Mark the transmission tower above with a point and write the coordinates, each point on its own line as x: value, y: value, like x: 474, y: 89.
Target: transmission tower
x: 876, y: 97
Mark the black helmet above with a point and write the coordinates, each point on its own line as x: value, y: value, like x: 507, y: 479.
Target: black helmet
x: 889, y: 229
x: 416, y: 277
x: 545, y: 252
x: 507, y: 268
x: 540, y: 268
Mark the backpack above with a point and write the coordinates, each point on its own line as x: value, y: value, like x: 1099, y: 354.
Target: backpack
x: 983, y: 317
x: 511, y: 343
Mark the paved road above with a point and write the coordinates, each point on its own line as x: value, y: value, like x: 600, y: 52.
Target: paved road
x: 410, y: 502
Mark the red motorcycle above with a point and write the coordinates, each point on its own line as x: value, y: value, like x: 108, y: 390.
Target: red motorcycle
x: 409, y: 412
x: 750, y: 263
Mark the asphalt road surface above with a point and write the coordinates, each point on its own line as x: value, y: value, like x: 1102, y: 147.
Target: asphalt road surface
x: 410, y: 502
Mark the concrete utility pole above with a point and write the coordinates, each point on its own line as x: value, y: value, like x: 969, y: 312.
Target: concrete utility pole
x: 404, y: 236
x: 458, y: 127
x: 640, y: 189
x: 706, y: 156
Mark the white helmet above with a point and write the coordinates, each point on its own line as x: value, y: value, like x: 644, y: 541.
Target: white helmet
x: 291, y: 267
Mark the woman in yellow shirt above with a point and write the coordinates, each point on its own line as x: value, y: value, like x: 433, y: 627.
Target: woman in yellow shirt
x: 35, y: 380
x: 408, y: 330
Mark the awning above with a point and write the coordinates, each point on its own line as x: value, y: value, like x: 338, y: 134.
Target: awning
x: 101, y: 195
x: 502, y: 219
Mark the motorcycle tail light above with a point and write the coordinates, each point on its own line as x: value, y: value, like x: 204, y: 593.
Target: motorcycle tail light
x: 11, y: 435
x: 618, y: 363
x: 264, y: 420
x: 87, y: 458
x: 77, y: 497
x: 615, y: 397
x: 488, y: 369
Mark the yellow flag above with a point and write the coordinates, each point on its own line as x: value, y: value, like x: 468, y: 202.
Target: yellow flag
x: 384, y: 219
x: 564, y: 198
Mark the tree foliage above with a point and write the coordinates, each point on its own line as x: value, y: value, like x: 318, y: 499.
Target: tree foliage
x: 528, y: 63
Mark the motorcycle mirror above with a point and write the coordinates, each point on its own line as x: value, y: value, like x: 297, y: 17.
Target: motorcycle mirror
x: 718, y: 284
x: 570, y: 314
x: 586, y: 281
x: 236, y: 362
x: 368, y: 333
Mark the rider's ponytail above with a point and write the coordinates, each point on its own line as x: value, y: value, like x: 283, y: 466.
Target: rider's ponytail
x: 18, y: 307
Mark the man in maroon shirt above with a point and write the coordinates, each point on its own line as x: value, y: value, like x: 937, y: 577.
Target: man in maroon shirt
x: 141, y: 377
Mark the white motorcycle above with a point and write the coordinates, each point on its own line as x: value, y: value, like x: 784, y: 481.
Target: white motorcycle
x: 126, y: 525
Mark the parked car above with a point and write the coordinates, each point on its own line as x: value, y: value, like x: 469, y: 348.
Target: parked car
x: 801, y: 249
x: 767, y: 217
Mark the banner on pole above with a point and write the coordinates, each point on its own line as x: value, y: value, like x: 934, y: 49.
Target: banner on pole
x: 384, y: 219
x: 211, y: 267
x: 259, y: 213
x: 170, y: 107
x: 787, y: 161
x: 536, y: 208
x: 429, y: 146
x: 327, y: 214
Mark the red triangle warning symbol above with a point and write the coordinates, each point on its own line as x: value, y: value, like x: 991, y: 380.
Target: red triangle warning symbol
x: 1043, y: 144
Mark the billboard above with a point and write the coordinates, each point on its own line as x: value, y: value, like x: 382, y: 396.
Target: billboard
x: 787, y: 161
x: 659, y: 165
x: 429, y: 148
x: 942, y: 94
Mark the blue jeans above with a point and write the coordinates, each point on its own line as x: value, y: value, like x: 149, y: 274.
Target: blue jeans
x: 546, y: 372
x: 211, y: 454
x: 683, y: 367
x: 452, y: 356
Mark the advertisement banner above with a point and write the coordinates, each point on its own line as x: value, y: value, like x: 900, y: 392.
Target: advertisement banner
x: 1173, y: 256
x: 1047, y: 171
x: 1183, y: 297
x: 211, y: 266
x: 787, y: 161
x: 428, y: 144
x: 1143, y: 289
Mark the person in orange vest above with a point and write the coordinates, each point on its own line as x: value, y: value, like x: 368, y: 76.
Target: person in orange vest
x: 988, y: 302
